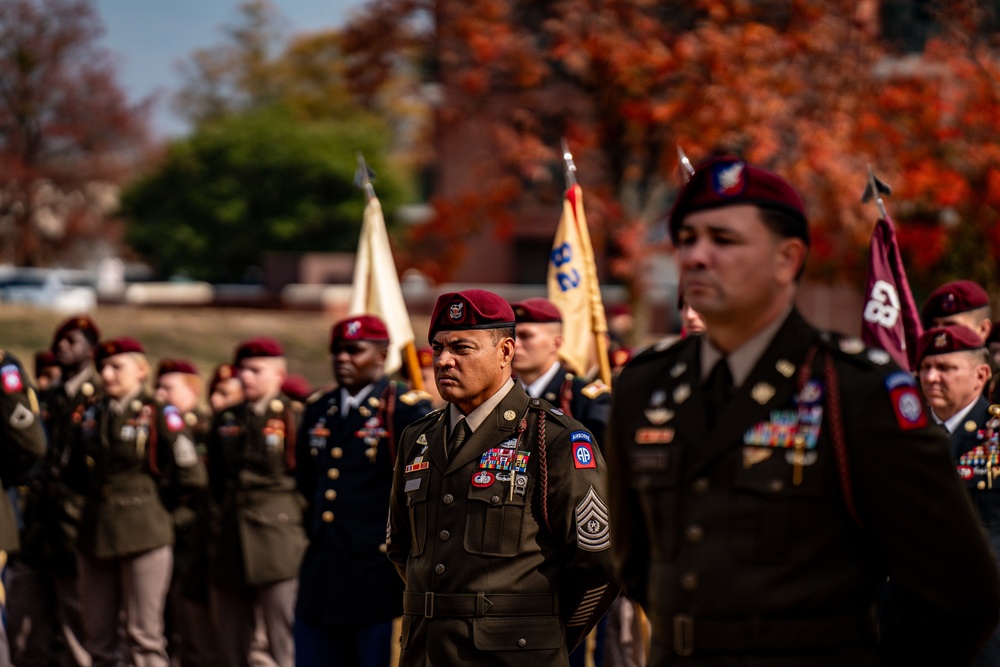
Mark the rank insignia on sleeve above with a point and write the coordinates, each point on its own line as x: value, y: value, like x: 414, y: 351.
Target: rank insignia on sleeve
x: 906, y: 401
x: 593, y: 529
x: 21, y: 417
x: 583, y: 450
x: 185, y: 453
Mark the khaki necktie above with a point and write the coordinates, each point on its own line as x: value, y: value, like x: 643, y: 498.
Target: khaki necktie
x: 718, y: 390
x: 458, y: 436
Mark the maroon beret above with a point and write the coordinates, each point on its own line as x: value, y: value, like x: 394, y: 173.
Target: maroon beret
x: 470, y: 309
x: 258, y: 347
x: 110, y: 348
x: 296, y: 387
x: 425, y: 357
x: 359, y: 327
x: 176, y: 366
x: 44, y: 359
x: 222, y: 373
x: 959, y: 296
x: 536, y: 310
x: 728, y: 181
x: 81, y: 323
x: 952, y: 338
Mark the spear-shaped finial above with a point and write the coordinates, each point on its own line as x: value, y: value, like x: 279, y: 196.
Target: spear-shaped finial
x: 687, y: 171
x: 363, y: 177
x: 874, y: 188
x: 570, y: 165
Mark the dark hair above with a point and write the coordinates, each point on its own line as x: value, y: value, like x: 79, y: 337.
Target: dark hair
x: 499, y: 333
x: 786, y: 226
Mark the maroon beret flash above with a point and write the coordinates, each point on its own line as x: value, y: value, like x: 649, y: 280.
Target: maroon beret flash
x: 222, y: 373
x: 959, y: 296
x: 258, y: 347
x: 728, y: 181
x: 470, y: 309
x: 81, y: 323
x: 110, y: 348
x: 296, y: 387
x: 536, y: 310
x: 952, y: 338
x: 425, y: 357
x: 359, y: 327
x: 176, y: 366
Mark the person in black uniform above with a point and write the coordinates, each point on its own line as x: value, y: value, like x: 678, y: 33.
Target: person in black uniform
x: 953, y: 369
x: 536, y: 364
x: 349, y: 593
x: 766, y: 477
x: 45, y: 601
x: 497, y: 519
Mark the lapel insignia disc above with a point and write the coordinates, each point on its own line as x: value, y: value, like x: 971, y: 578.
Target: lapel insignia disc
x: 785, y: 367
x: 762, y: 392
x: 971, y: 426
x: 510, y: 415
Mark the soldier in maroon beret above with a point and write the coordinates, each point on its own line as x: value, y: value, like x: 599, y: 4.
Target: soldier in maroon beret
x: 753, y: 516
x: 255, y: 555
x: 959, y: 302
x: 52, y: 511
x: 349, y: 593
x: 48, y: 372
x: 224, y: 389
x: 134, y: 456
x: 953, y: 369
x: 499, y: 459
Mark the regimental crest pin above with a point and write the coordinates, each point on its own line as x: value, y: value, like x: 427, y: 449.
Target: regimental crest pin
x: 422, y: 439
x: 681, y: 393
x: 762, y: 392
x: 785, y: 367
x: 877, y: 356
x: 678, y: 369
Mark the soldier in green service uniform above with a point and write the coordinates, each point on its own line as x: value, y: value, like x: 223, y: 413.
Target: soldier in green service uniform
x: 766, y: 478
x: 130, y: 452
x: 22, y: 444
x: 498, y: 521
x: 258, y: 538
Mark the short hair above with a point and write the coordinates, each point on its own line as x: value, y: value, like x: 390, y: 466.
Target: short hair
x: 785, y: 226
x: 497, y: 334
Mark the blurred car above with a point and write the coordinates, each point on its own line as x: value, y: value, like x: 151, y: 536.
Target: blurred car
x: 66, y: 290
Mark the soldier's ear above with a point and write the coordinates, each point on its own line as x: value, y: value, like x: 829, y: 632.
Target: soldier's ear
x: 791, y: 258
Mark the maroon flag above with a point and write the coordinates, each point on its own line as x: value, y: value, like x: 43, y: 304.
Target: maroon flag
x: 890, y: 319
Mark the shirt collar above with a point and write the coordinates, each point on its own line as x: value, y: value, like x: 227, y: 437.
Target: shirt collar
x: 536, y: 388
x: 353, y: 402
x: 952, y: 422
x: 72, y: 385
x: 745, y: 357
x: 475, y: 418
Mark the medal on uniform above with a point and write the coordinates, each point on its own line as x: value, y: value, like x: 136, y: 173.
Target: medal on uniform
x: 520, y: 484
x: 318, y: 434
x: 370, y: 435
x: 274, y: 435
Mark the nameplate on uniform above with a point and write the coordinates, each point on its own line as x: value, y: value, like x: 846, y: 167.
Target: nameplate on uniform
x: 654, y: 436
x: 412, y: 484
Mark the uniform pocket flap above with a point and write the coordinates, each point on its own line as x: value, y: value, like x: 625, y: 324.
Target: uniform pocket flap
x: 517, y: 634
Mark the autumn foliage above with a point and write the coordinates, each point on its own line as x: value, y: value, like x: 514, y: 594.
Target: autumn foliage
x: 809, y: 88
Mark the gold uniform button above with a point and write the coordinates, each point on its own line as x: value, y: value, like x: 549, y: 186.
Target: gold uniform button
x: 336, y: 452
x: 330, y: 494
x: 694, y: 534
x: 689, y: 582
x: 981, y: 485
x: 384, y: 548
x: 90, y: 462
x: 328, y: 517
x: 333, y: 473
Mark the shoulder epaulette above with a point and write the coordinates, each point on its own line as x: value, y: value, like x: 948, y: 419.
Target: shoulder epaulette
x: 414, y: 396
x: 430, y: 416
x: 667, y: 346
x: 850, y: 347
x: 595, y: 389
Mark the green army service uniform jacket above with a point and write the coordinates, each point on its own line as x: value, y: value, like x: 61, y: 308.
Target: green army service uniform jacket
x: 258, y: 534
x: 23, y: 441
x: 128, y: 460
x: 505, y: 548
x: 759, y: 539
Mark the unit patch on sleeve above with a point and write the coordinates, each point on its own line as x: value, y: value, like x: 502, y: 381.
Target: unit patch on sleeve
x: 11, y: 377
x: 906, y: 402
x: 583, y: 450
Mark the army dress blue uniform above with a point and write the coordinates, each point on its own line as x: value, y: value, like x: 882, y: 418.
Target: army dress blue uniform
x: 346, y: 456
x: 720, y: 529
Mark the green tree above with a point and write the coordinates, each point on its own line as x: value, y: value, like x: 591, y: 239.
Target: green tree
x: 253, y: 182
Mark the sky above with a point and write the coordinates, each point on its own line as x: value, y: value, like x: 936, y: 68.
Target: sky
x: 149, y: 38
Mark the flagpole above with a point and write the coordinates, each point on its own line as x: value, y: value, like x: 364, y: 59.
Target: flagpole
x: 600, y: 337
x: 362, y: 179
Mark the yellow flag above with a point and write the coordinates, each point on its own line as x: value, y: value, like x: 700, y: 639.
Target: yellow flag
x: 573, y: 286
x: 376, y: 284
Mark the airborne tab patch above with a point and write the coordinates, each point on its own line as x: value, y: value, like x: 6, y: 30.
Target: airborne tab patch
x: 583, y: 450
